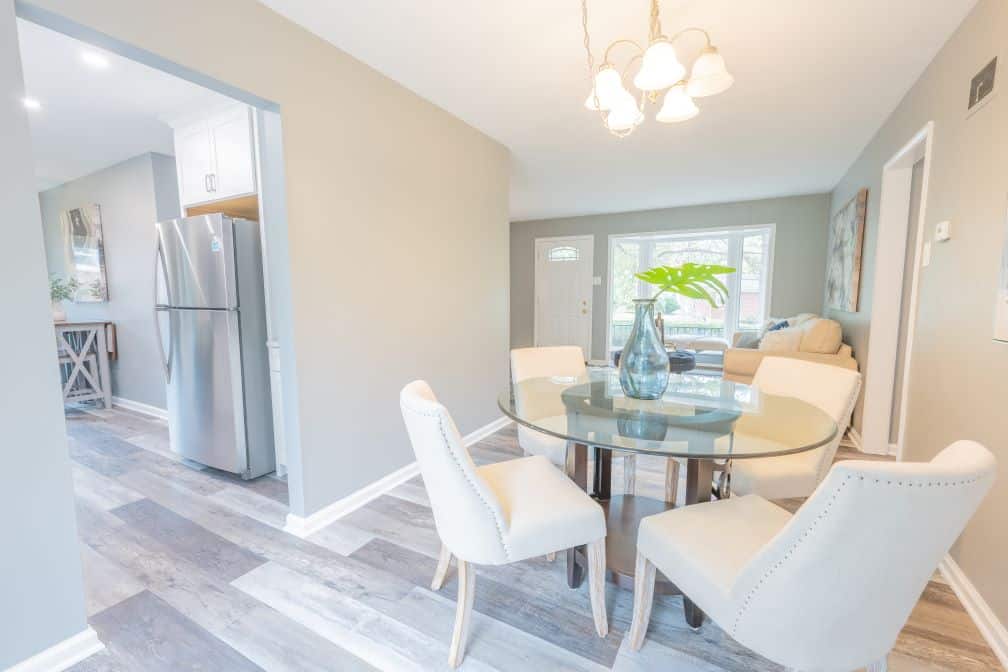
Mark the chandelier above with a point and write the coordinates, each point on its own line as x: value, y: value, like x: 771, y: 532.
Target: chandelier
x: 660, y: 70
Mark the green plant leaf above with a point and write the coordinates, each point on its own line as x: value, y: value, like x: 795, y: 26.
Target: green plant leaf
x: 694, y: 281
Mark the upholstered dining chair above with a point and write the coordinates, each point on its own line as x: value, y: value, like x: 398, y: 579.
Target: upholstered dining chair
x: 499, y: 513
x: 568, y: 361
x: 830, y: 388
x: 830, y: 587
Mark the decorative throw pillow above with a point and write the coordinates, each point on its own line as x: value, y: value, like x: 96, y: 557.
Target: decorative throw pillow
x: 747, y: 339
x: 783, y: 324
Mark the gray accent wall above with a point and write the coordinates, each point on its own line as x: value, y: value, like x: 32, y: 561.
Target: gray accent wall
x: 397, y: 228
x: 799, y: 253
x: 958, y: 373
x: 133, y: 195
x: 41, y: 591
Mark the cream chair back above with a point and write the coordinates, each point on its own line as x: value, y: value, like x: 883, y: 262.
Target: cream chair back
x: 469, y: 518
x: 838, y: 582
x: 561, y: 360
x: 830, y: 388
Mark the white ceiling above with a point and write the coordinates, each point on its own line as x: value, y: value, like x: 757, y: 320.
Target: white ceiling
x: 814, y: 81
x: 93, y: 118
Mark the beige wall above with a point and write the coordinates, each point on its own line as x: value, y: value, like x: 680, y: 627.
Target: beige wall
x: 398, y: 217
x: 959, y: 375
x: 799, y: 252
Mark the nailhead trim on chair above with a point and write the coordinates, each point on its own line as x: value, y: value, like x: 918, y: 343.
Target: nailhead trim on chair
x: 444, y: 435
x: 807, y: 532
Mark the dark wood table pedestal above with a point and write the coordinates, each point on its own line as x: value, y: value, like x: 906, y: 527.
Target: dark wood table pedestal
x: 623, y: 516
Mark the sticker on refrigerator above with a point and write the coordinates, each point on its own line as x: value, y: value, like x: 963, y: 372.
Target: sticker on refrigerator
x: 215, y: 245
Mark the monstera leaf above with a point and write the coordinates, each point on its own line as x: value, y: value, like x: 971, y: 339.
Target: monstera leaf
x: 695, y: 281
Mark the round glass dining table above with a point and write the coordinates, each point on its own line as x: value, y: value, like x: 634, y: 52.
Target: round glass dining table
x: 701, y: 421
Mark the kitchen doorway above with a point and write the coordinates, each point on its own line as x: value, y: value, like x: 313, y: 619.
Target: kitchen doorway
x: 121, y: 134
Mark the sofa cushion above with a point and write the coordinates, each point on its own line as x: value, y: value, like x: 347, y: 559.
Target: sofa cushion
x: 821, y: 336
x: 782, y: 340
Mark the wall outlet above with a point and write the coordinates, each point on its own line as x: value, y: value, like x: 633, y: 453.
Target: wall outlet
x: 943, y: 231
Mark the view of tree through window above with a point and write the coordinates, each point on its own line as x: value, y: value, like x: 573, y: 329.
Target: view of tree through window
x: 747, y: 249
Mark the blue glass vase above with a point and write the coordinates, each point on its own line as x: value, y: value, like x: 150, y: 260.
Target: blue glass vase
x: 644, y: 364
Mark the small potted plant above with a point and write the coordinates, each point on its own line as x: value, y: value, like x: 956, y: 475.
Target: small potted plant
x: 644, y: 364
x: 61, y: 290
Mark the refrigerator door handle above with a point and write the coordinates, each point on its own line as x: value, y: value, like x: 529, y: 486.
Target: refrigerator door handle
x: 159, y: 260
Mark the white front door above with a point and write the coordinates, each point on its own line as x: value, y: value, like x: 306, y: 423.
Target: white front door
x: 563, y: 291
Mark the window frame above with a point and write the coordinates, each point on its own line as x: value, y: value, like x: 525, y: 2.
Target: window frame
x: 736, y: 236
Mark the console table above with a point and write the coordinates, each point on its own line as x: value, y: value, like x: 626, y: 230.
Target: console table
x: 83, y: 350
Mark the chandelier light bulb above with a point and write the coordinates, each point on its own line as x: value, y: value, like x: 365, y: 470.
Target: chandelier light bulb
x: 608, y: 88
x: 625, y: 115
x: 709, y: 76
x: 660, y: 67
x: 678, y: 106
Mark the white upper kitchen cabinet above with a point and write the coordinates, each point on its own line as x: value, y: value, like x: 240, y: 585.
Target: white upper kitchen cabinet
x: 215, y: 157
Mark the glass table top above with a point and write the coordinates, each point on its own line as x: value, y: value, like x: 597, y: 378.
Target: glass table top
x: 699, y: 416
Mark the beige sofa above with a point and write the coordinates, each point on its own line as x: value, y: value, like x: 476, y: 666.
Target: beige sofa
x: 808, y: 337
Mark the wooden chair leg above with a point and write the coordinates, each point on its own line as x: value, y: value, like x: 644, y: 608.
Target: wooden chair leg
x: 671, y: 480
x: 643, y: 598
x: 596, y: 585
x: 694, y: 614
x: 880, y: 665
x: 629, y: 474
x: 444, y: 562
x: 463, y: 612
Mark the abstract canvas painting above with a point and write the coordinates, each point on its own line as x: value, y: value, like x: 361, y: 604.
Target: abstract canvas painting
x: 84, y: 252
x: 843, y: 261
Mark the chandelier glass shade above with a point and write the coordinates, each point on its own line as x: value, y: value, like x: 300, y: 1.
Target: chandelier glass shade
x: 660, y: 70
x: 660, y: 67
x: 678, y: 106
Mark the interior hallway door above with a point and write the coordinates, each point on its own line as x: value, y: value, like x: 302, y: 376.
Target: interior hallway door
x: 563, y: 291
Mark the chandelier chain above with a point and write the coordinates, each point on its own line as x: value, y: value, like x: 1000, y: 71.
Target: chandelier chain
x: 588, y: 51
x: 655, y: 31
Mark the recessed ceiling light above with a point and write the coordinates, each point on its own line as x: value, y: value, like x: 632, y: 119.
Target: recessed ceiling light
x: 94, y: 59
x: 31, y: 103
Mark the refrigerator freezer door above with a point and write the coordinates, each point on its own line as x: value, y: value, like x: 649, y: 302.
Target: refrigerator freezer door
x: 199, y: 268
x: 206, y: 410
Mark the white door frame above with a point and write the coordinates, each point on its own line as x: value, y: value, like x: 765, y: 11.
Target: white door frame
x: 590, y: 239
x: 883, y: 337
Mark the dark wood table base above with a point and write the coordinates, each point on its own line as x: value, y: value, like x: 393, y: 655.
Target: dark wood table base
x: 623, y: 516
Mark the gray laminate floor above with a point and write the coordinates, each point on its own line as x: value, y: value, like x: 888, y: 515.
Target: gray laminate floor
x: 189, y: 570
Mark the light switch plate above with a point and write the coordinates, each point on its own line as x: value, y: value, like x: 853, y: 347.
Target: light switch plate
x: 926, y: 254
x: 943, y: 231
x: 597, y: 280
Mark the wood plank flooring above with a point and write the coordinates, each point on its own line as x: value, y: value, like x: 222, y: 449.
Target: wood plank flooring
x: 188, y: 569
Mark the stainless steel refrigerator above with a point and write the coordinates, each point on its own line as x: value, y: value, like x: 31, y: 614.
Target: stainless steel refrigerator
x: 210, y: 317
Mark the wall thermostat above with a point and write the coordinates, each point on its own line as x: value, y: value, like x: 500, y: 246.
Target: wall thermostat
x: 943, y: 231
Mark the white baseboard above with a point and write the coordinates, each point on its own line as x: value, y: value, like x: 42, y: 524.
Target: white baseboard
x: 486, y: 430
x: 61, y: 656
x: 303, y: 526
x: 853, y: 440
x: 137, y: 407
x: 986, y: 621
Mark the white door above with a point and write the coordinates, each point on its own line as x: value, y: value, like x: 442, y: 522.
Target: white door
x: 563, y: 291
x: 234, y: 167
x: 194, y: 157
